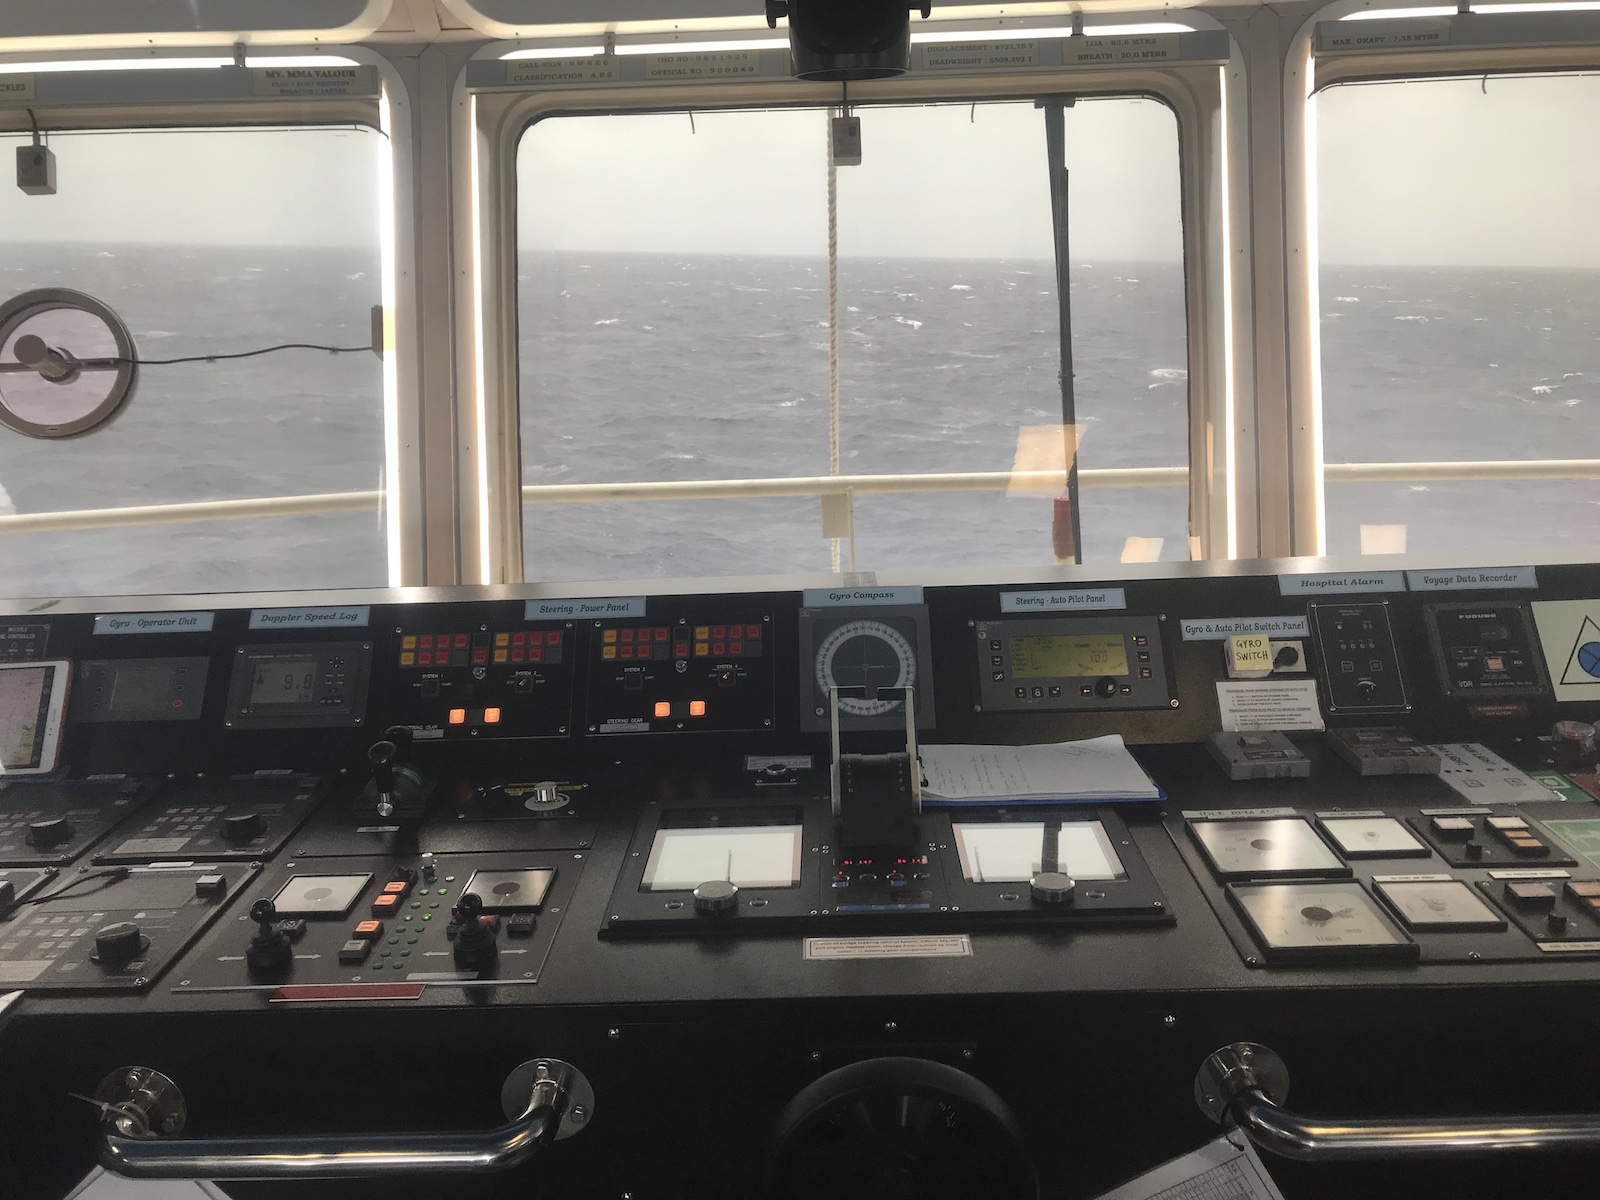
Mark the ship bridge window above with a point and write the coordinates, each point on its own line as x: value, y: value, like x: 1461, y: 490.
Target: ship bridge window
x: 234, y: 474
x: 704, y: 353
x: 1459, y: 302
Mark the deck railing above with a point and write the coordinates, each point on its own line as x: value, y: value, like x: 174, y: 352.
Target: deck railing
x: 810, y: 485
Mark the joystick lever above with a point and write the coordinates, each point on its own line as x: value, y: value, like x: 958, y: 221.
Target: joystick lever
x: 270, y: 950
x: 475, y: 937
x: 397, y: 788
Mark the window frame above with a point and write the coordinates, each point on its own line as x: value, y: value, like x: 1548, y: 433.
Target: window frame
x: 1533, y: 43
x: 490, y: 444
x: 175, y: 99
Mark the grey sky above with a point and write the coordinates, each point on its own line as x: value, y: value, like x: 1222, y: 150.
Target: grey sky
x: 946, y: 182
x: 261, y: 186
x: 1500, y: 171
x: 1431, y: 172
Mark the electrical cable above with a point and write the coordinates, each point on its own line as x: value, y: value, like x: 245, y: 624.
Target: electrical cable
x: 167, y: 362
x: 110, y: 875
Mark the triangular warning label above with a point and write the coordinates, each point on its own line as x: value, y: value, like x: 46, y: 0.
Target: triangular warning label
x: 1583, y: 664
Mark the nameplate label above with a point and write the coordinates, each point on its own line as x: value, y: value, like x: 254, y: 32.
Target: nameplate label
x: 353, y: 617
x: 587, y: 68
x: 954, y: 945
x: 979, y: 56
x: 154, y: 622
x: 1477, y: 579
x: 1215, y: 629
x: 853, y: 597
x: 709, y: 64
x: 592, y: 607
x: 1360, y: 581
x: 1118, y: 51
x: 16, y: 88
x: 1081, y: 600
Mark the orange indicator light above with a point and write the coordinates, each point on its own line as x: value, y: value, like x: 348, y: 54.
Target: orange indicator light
x: 697, y: 708
x: 663, y: 708
x: 491, y: 716
x: 458, y: 716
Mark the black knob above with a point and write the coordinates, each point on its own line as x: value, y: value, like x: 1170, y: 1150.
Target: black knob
x: 716, y: 896
x: 1106, y: 687
x: 269, y: 951
x: 1052, y: 887
x: 119, y: 944
x: 1366, y: 689
x: 1558, y: 922
x: 475, y: 947
x: 1287, y: 656
x: 1473, y: 849
x: 50, y: 832
x: 241, y: 827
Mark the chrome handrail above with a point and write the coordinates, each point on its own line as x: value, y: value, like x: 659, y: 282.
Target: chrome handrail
x: 1245, y: 1084
x: 138, y: 1102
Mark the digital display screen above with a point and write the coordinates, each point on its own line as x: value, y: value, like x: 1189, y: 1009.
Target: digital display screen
x: 284, y: 682
x: 139, y: 688
x: 1069, y: 656
x: 24, y: 710
x: 759, y: 856
x: 1016, y: 851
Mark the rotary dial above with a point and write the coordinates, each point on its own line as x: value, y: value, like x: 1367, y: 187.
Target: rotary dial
x: 868, y: 654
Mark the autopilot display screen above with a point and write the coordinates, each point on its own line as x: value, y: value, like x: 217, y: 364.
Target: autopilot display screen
x: 140, y: 689
x: 1071, y: 664
x: 27, y: 741
x: 1069, y: 656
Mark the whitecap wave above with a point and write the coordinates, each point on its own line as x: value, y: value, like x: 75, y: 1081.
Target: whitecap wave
x: 1415, y: 317
x: 611, y: 321
x: 1543, y: 389
x: 906, y: 321
x: 960, y: 287
x: 1169, y: 374
x: 1347, y: 299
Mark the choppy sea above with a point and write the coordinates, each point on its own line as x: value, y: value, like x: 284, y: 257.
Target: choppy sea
x: 659, y: 368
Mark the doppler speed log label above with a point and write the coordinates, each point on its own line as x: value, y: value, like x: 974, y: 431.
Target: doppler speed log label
x: 1071, y: 664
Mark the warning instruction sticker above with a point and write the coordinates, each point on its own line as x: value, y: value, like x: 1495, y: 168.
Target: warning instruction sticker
x: 954, y: 945
x: 1569, y: 634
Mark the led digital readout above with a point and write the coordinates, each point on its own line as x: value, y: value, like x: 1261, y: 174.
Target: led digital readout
x: 284, y: 683
x: 1069, y: 656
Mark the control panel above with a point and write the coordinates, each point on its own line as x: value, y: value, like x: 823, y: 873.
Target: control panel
x: 691, y: 673
x: 299, y: 685
x: 140, y: 689
x: 1361, y: 666
x: 1072, y: 663
x: 1485, y: 650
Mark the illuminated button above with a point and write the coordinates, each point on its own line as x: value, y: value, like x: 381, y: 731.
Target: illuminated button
x: 501, y: 656
x: 408, y: 659
x: 681, y: 649
x: 735, y: 647
x: 999, y: 676
x: 370, y: 930
x: 536, y: 654
x: 1086, y: 690
x: 610, y: 635
x: 994, y: 644
x: 627, y: 652
x: 644, y: 635
x: 1125, y: 690
x: 701, y: 649
x: 661, y: 635
x: 702, y: 632
x: 553, y: 638
x: 425, y: 658
x: 1038, y: 693
x: 627, y: 635
x: 719, y: 631
x: 382, y: 906
x: 608, y: 651
x: 1055, y: 691
x: 719, y: 647
x: 697, y: 708
x: 502, y: 639
x: 752, y: 631
x: 663, y: 708
x: 518, y: 654
x: 491, y: 716
x: 479, y: 657
x: 1141, y: 641
x: 519, y: 639
x: 1022, y: 693
x: 458, y: 716
x: 425, y: 641
x: 461, y: 641
x: 1144, y: 673
x: 408, y: 642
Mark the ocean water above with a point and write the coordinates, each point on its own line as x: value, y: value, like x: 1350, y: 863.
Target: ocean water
x: 656, y: 368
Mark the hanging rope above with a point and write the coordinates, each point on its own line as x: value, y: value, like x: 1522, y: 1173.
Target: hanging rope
x: 833, y: 319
